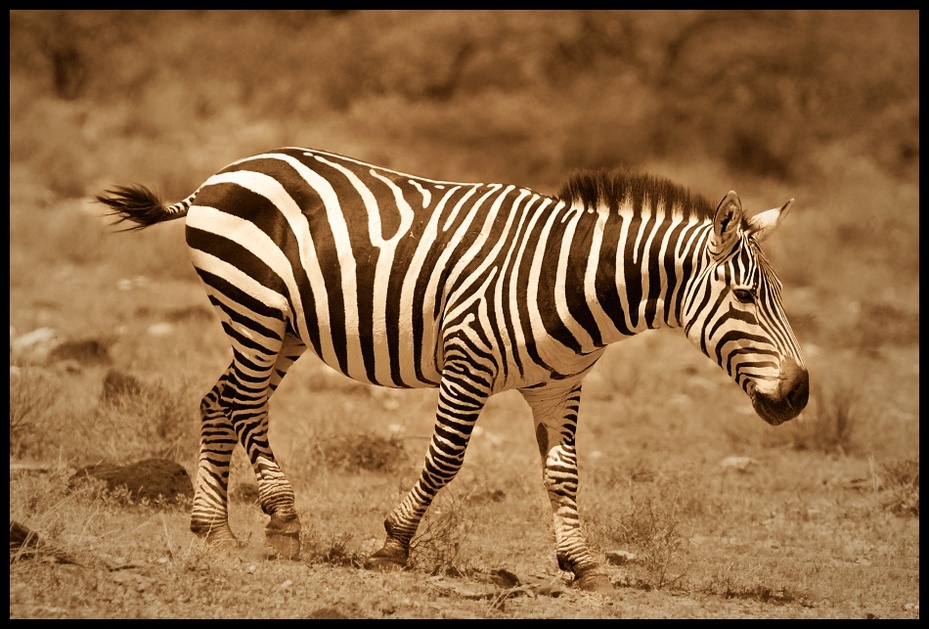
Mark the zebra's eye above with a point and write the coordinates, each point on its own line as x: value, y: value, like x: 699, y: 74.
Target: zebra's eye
x: 744, y: 295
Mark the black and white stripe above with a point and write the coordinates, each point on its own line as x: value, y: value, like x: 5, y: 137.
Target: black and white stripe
x: 473, y: 288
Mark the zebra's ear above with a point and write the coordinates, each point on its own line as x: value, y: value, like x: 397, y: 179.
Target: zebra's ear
x: 726, y: 225
x: 762, y: 224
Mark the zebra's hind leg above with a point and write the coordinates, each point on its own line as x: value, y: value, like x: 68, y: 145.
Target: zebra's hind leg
x: 554, y: 411
x: 236, y: 410
x: 275, y: 494
x: 209, y: 517
x: 462, y: 395
x: 259, y: 364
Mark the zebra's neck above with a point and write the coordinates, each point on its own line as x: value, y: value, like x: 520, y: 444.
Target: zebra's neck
x: 625, y: 272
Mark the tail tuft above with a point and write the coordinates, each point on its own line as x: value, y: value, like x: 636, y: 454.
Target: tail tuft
x: 137, y: 204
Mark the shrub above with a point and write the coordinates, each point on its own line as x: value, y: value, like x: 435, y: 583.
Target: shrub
x: 31, y: 394
x: 651, y: 527
x: 899, y: 485
x: 337, y: 552
x: 140, y: 420
x: 362, y: 452
x: 830, y: 425
x: 437, y: 545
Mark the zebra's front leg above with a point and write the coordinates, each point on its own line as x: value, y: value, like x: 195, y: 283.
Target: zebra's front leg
x: 461, y: 398
x: 554, y: 412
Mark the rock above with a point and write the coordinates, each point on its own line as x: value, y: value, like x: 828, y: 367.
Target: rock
x: 160, y: 329
x: 739, y: 463
x: 21, y: 535
x: 117, y: 385
x: 33, y: 347
x: 39, y: 336
x: 619, y: 557
x: 326, y: 612
x: 505, y: 579
x: 89, y: 351
x: 149, y: 479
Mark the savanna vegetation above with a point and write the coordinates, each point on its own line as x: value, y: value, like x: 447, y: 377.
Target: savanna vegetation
x: 701, y: 508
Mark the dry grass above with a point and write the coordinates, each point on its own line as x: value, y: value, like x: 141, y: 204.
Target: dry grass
x: 829, y: 425
x: 53, y: 412
x: 650, y: 525
x: 898, y: 484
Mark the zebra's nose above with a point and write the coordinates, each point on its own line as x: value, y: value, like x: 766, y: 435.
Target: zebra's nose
x: 794, y: 385
x: 790, y: 397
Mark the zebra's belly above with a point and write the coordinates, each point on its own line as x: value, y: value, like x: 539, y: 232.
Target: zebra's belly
x: 404, y: 359
x: 371, y: 355
x: 549, y: 361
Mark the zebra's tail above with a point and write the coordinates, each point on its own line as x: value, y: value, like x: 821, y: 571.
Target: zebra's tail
x: 141, y: 205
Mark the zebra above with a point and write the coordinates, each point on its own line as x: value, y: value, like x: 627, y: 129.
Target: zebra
x: 472, y: 288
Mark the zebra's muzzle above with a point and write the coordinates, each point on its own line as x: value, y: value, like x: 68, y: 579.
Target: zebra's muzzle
x: 791, y: 396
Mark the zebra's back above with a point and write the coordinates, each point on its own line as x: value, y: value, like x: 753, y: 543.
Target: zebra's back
x: 368, y: 266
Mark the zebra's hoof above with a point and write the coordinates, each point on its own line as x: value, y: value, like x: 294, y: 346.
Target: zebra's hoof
x: 284, y: 546
x: 283, y: 536
x: 594, y: 582
x: 387, y: 559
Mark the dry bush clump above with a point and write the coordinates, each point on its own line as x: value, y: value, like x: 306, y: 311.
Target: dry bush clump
x: 879, y: 324
x: 334, y: 552
x: 829, y: 426
x: 31, y: 395
x: 738, y: 586
x: 362, y: 452
x: 651, y: 526
x: 136, y: 419
x: 436, y: 548
x: 54, y: 413
x: 899, y: 485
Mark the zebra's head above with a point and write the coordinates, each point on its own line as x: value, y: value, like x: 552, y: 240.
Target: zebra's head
x: 734, y: 314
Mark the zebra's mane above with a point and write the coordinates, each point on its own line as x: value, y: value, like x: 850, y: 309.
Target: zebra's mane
x: 615, y: 188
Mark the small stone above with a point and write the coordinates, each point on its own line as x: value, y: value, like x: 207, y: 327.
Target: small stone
x: 40, y: 336
x: 160, y: 329
x: 738, y: 463
x: 619, y: 557
x: 326, y: 612
x: 34, y: 347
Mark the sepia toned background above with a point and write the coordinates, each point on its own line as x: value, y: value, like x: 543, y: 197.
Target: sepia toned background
x: 819, y: 106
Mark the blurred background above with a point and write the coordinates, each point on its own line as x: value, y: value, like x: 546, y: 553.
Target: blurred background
x: 820, y: 106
